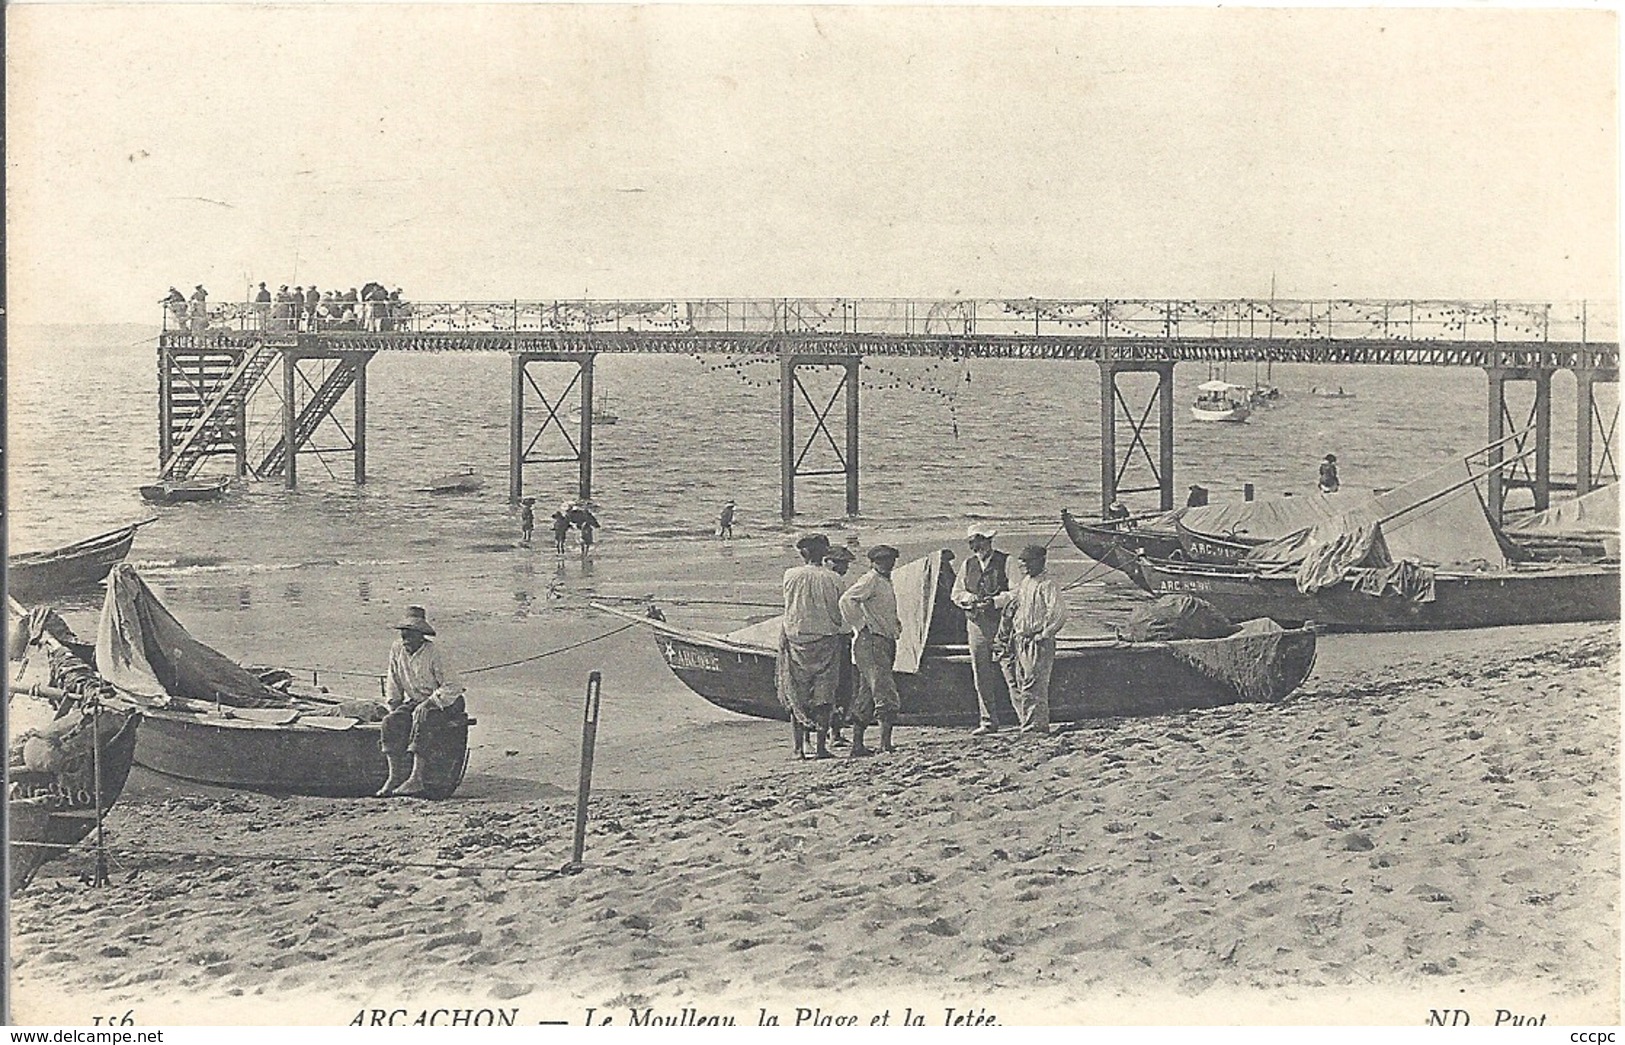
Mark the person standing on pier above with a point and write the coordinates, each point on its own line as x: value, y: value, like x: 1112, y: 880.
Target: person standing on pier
x: 199, y: 309
x: 725, y: 524
x: 527, y: 520
x: 1329, y: 481
x: 175, y: 303
x: 419, y: 684
x: 1035, y: 612
x: 869, y: 608
x: 262, y: 307
x: 810, y: 647
x: 985, y: 574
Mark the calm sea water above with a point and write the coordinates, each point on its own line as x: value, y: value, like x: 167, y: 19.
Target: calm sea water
x: 1009, y: 441
x: 312, y: 578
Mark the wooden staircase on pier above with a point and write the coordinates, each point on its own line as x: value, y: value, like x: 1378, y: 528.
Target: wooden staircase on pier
x: 327, y: 395
x: 205, y: 406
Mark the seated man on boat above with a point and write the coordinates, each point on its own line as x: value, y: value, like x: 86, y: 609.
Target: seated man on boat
x: 810, y: 646
x: 420, y: 687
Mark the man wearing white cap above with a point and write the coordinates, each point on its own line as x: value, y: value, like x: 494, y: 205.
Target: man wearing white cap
x: 419, y: 682
x: 984, y: 575
x: 1037, y: 612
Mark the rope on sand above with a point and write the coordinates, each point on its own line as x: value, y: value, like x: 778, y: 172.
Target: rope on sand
x: 284, y: 858
x: 483, y: 667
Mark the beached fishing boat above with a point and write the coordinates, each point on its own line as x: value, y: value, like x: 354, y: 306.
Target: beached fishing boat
x: 1094, y: 677
x: 34, y: 577
x: 1222, y: 401
x: 464, y: 480
x: 207, y: 719
x: 69, y: 755
x: 1420, y: 557
x: 1370, y: 599
x: 1121, y: 543
x: 185, y: 491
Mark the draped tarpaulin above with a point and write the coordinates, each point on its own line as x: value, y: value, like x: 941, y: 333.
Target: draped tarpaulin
x: 916, y: 584
x: 144, y: 651
x: 1267, y: 519
x: 1594, y: 515
x: 1436, y: 519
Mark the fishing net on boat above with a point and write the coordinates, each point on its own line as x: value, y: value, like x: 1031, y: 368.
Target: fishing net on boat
x: 144, y: 651
x: 1249, y: 661
x: 1176, y: 617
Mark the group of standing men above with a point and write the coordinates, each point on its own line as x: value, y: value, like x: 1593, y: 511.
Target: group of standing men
x: 1011, y: 631
x: 819, y: 615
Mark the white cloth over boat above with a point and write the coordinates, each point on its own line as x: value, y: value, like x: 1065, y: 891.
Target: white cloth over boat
x: 1596, y: 514
x: 144, y: 651
x: 1436, y: 520
x: 916, y: 584
x: 1264, y: 520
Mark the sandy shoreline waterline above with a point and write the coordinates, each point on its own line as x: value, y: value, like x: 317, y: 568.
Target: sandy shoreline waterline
x: 1424, y: 822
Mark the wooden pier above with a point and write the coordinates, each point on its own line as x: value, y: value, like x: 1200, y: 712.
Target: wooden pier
x: 212, y: 365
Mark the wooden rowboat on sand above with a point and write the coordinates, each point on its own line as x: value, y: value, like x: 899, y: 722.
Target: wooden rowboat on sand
x: 209, y: 720
x: 1094, y: 677
x: 69, y: 754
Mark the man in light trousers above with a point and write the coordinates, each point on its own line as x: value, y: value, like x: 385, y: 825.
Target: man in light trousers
x: 984, y: 575
x: 1036, y: 611
x: 869, y: 608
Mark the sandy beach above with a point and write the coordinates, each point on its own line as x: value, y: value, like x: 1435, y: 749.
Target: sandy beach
x: 1433, y: 820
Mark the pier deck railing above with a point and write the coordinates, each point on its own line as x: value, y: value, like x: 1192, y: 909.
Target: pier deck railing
x: 1517, y: 322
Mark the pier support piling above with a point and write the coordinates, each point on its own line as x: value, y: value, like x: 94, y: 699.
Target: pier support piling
x: 579, y: 445
x: 290, y: 415
x: 1112, y: 404
x: 792, y: 455
x: 1505, y: 434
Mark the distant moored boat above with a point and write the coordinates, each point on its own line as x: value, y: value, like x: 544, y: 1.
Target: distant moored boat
x: 182, y: 491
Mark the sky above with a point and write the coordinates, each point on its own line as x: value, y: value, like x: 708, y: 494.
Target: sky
x: 499, y: 152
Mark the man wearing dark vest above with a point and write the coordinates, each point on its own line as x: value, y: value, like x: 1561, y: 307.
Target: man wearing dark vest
x: 983, y: 576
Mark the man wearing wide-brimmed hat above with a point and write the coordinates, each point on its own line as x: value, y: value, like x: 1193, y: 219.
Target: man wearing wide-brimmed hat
x: 419, y: 683
x: 870, y: 610
x: 810, y: 646
x: 1036, y: 611
x: 984, y: 575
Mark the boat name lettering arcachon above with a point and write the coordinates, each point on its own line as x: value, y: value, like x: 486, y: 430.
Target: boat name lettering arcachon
x: 58, y: 797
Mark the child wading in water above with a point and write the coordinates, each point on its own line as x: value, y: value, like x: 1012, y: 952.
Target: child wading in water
x: 527, y: 520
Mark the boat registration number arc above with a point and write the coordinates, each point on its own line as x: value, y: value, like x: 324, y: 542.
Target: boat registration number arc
x: 689, y: 657
x: 1183, y: 584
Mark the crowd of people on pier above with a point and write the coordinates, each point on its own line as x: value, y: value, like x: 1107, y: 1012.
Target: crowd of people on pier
x: 372, y: 307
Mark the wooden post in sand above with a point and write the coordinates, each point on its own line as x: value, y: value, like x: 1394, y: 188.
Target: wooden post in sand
x: 589, y: 737
x: 100, y: 876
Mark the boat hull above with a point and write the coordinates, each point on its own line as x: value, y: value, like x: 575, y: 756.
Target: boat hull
x: 190, y: 491
x: 1480, y: 600
x: 1120, y: 548
x: 47, y: 812
x: 289, y: 759
x: 1236, y: 414
x: 43, y: 576
x: 1089, y: 681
